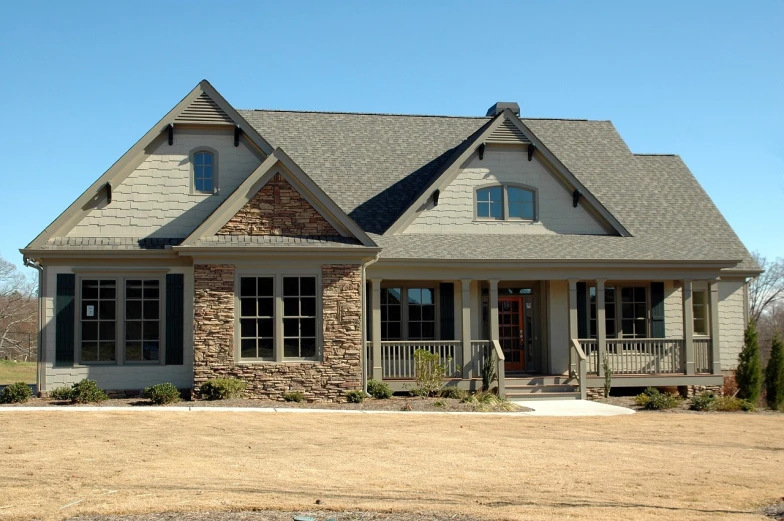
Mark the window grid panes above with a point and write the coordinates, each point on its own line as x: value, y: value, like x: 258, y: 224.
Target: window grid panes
x: 257, y: 316
x: 699, y: 299
x: 634, y: 312
x: 98, y: 320
x: 203, y: 171
x: 609, y: 311
x: 421, y: 314
x: 391, y: 313
x: 299, y: 317
x: 521, y: 203
x: 490, y: 203
x: 142, y: 320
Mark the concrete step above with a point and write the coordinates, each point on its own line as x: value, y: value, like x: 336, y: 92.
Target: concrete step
x: 554, y: 388
x: 543, y: 396
x: 539, y: 380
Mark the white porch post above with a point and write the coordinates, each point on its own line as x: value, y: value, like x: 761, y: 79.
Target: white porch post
x: 601, y: 327
x: 688, y: 327
x: 493, y: 309
x: 465, y: 302
x: 572, y: 324
x: 713, y: 287
x: 378, y: 371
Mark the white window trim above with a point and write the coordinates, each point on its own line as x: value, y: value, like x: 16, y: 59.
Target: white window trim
x: 505, y: 203
x: 119, y: 330
x: 277, y: 344
x: 215, y: 171
x: 404, y: 287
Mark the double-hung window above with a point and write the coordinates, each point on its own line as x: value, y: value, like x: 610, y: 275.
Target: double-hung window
x: 699, y: 303
x: 120, y: 319
x: 278, y: 318
x: 204, y: 171
x: 408, y: 313
x: 505, y: 202
x: 624, y: 305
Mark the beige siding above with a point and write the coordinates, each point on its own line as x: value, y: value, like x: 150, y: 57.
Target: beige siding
x: 558, y: 315
x: 156, y: 201
x: 117, y: 377
x: 455, y: 210
x: 732, y: 322
x: 673, y: 310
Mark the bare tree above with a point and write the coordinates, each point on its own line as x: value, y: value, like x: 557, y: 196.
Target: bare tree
x: 18, y: 310
x: 768, y: 288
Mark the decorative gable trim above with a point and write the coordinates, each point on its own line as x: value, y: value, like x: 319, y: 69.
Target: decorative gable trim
x: 279, y: 164
x: 203, y: 110
x: 140, y: 151
x: 507, y: 133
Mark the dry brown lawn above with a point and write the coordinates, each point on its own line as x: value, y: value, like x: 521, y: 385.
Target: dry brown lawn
x: 56, y: 464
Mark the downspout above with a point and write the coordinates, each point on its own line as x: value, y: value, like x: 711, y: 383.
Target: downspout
x: 364, y: 321
x: 39, y: 351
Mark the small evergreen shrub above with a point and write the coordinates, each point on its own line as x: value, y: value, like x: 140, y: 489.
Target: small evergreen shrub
x: 748, y: 375
x: 454, y: 393
x: 439, y: 403
x: 295, y: 396
x: 774, y: 375
x: 87, y: 391
x: 18, y: 392
x: 608, y: 373
x: 429, y: 373
x: 733, y: 404
x: 355, y: 396
x: 488, y: 369
x: 703, y: 402
x: 222, y: 388
x: 652, y: 399
x: 379, y: 390
x: 161, y: 394
x: 62, y: 393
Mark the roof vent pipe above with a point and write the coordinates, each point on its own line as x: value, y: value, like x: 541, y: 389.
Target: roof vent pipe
x: 503, y: 105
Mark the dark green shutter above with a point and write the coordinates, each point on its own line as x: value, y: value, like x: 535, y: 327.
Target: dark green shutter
x: 582, y: 310
x: 65, y: 319
x: 174, y: 318
x: 657, y: 310
x: 447, y: 306
x: 368, y: 312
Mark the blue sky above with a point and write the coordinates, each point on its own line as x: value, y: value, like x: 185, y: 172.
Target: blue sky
x: 82, y: 81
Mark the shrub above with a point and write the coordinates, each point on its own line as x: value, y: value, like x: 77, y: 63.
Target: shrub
x: 222, y: 388
x: 87, y: 391
x: 732, y: 404
x: 608, y: 372
x: 652, y: 399
x: 703, y: 402
x: 484, y: 401
x: 452, y: 392
x: 18, y: 392
x: 488, y: 369
x: 61, y: 393
x: 429, y: 373
x: 748, y: 375
x: 355, y: 396
x: 379, y: 390
x: 643, y: 398
x: 295, y: 396
x: 160, y: 394
x: 774, y: 375
x: 439, y: 403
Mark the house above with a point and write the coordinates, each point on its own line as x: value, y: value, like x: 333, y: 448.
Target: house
x: 316, y: 250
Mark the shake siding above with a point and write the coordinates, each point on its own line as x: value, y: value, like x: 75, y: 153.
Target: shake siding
x: 455, y: 210
x: 155, y: 200
x: 731, y: 322
x: 673, y: 310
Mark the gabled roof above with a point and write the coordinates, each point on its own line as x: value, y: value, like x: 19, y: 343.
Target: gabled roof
x: 309, y: 190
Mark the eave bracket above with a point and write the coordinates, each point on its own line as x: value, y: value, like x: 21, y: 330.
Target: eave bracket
x: 576, y: 197
x: 237, y: 133
x: 170, y: 128
x: 531, y: 150
x: 481, y: 150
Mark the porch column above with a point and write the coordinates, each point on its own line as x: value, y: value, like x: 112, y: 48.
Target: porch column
x: 688, y: 327
x: 493, y: 309
x: 465, y: 302
x: 375, y: 287
x: 573, y: 309
x: 601, y: 327
x: 713, y: 289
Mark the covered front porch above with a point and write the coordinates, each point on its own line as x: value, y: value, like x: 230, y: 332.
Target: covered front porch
x: 546, y: 335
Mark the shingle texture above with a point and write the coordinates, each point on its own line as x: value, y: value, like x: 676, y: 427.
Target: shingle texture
x: 110, y: 243
x: 277, y: 241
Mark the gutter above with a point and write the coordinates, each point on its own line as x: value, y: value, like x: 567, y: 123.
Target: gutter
x: 363, y: 324
x: 30, y: 263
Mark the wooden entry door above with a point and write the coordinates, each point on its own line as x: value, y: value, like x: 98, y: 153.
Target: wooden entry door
x: 511, y: 332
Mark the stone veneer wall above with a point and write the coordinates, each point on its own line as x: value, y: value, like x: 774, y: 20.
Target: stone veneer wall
x: 278, y: 209
x: 340, y: 369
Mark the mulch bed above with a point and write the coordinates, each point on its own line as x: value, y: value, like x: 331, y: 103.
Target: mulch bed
x: 628, y: 402
x: 271, y: 515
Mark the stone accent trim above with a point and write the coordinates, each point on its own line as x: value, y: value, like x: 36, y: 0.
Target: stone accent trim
x: 278, y: 209
x: 340, y: 368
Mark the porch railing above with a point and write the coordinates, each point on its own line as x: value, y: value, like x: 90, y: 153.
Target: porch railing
x: 479, y: 349
x: 639, y: 355
x: 702, y: 355
x: 591, y: 350
x: 578, y: 365
x: 397, y: 357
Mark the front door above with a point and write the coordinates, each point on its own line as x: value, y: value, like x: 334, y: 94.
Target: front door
x: 511, y: 332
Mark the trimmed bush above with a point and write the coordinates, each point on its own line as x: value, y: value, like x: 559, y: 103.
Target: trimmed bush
x: 62, y: 393
x: 429, y: 373
x: 161, y: 394
x: 453, y: 392
x: 355, y: 396
x: 222, y: 388
x: 748, y: 375
x: 18, y: 392
x: 774, y: 375
x: 379, y: 390
x: 732, y: 404
x: 652, y: 399
x: 703, y: 402
x: 294, y: 396
x: 87, y: 391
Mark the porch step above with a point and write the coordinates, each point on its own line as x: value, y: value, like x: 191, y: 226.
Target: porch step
x: 535, y: 387
x: 543, y: 396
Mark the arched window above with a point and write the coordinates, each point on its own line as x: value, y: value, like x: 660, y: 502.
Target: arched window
x: 505, y: 202
x: 521, y: 203
x: 490, y: 203
x: 204, y: 172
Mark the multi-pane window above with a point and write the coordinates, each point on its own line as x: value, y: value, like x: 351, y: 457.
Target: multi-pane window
x: 98, y: 320
x: 203, y: 170
x: 299, y: 317
x: 257, y: 314
x: 634, y: 312
x: 421, y: 314
x: 490, y: 203
x: 505, y: 203
x: 699, y: 300
x: 142, y: 320
x: 521, y: 203
x: 391, y: 313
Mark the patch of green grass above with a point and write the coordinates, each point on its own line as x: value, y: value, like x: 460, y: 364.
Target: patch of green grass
x: 11, y: 372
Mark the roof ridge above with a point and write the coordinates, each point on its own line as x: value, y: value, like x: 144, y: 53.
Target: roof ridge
x: 655, y: 154
x: 367, y: 113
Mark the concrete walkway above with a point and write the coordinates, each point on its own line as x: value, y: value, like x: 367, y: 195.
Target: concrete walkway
x: 571, y: 408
